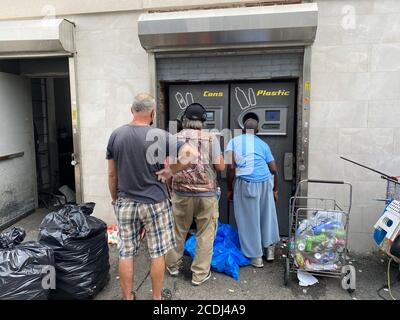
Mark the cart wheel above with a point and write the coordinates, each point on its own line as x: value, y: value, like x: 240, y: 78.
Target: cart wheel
x: 286, y: 272
x: 349, y: 278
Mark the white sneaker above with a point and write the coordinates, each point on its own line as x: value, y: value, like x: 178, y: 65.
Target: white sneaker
x: 197, y: 283
x: 173, y: 271
x: 271, y: 253
x: 257, y: 262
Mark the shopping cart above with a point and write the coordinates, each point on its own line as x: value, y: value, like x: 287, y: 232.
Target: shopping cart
x: 304, y: 209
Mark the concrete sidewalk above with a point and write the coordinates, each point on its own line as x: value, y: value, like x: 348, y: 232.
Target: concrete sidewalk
x: 265, y: 283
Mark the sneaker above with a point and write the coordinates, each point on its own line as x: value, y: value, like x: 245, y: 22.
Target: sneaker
x: 257, y: 262
x: 197, y: 283
x: 271, y: 253
x: 173, y: 271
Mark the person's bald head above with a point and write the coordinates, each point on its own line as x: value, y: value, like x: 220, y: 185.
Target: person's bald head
x: 143, y: 102
x: 251, y: 126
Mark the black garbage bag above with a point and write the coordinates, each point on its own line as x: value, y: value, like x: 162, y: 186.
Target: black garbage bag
x: 80, y: 249
x: 23, y: 267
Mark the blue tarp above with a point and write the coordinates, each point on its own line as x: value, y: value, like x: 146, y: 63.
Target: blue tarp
x: 227, y: 256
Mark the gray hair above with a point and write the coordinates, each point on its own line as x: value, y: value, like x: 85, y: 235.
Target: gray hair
x: 143, y: 102
x: 192, y: 124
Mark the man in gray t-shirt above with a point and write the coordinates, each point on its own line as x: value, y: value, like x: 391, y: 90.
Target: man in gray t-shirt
x: 137, y: 178
x: 136, y: 154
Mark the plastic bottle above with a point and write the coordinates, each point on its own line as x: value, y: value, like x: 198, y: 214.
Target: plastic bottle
x: 326, y: 226
x: 309, y: 244
x: 329, y: 243
x: 302, y: 227
x: 325, y: 258
x: 328, y: 257
x: 301, y: 245
x: 299, y: 259
x: 312, y: 241
x: 339, y: 233
x: 340, y: 242
x: 319, y: 238
x: 317, y: 256
x: 291, y: 245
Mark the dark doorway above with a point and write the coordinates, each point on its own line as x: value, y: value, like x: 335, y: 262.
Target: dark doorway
x: 53, y: 140
x: 37, y: 136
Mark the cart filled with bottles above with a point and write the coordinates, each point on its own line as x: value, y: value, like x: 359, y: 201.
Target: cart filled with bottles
x: 318, y: 235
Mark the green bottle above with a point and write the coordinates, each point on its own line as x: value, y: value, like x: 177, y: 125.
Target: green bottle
x: 339, y: 233
x: 311, y: 240
x: 309, y: 244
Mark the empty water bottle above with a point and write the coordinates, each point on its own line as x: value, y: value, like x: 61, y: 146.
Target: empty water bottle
x: 323, y: 227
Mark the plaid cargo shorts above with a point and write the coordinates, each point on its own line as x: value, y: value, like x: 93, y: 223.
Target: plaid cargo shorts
x: 158, y: 221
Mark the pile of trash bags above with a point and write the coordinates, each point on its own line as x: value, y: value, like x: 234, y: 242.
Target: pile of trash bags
x: 227, y: 256
x: 23, y: 267
x: 319, y: 242
x: 80, y: 246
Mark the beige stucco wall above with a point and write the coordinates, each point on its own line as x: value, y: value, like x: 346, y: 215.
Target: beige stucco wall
x: 23, y: 9
x: 355, y: 108
x: 355, y: 99
x: 111, y: 68
x: 355, y: 91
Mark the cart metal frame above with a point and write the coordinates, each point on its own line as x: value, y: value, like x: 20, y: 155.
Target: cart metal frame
x: 392, y: 189
x: 301, y: 208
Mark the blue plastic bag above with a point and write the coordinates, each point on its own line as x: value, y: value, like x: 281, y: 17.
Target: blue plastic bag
x: 227, y: 256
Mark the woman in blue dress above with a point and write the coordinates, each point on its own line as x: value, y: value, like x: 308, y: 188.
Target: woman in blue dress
x: 253, y: 187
